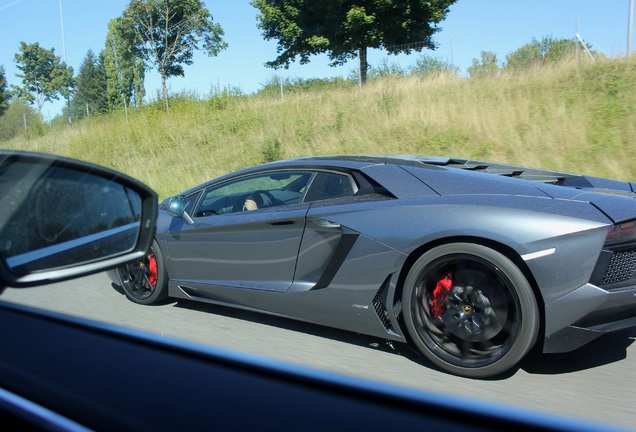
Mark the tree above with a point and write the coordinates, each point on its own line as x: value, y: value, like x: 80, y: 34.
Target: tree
x: 90, y: 91
x: 427, y: 66
x: 383, y: 70
x: 44, y: 76
x: 166, y: 33
x: 124, y: 67
x: 540, y: 52
x: 345, y: 30
x: 19, y: 116
x: 5, y: 95
x: 486, y: 66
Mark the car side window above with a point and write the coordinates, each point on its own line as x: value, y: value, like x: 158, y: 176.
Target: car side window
x: 254, y: 192
x: 328, y: 185
x: 191, y: 201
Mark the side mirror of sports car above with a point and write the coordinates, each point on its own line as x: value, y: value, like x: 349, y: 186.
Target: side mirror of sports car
x: 62, y: 218
x: 176, y: 205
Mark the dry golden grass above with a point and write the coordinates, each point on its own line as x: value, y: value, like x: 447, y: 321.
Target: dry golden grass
x: 575, y: 119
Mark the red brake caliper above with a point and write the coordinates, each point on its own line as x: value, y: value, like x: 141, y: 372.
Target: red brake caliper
x: 152, y: 270
x: 440, y: 293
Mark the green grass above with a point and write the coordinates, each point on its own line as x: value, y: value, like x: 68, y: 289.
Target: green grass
x: 576, y: 119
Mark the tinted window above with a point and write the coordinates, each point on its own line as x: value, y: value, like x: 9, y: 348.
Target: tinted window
x: 327, y: 185
x: 254, y: 192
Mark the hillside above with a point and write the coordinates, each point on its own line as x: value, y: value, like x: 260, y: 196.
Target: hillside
x: 576, y: 119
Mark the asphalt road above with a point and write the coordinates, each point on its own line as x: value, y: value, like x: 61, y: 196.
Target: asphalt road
x: 597, y: 382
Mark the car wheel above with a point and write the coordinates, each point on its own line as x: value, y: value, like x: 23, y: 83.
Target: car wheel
x: 145, y: 281
x: 470, y: 310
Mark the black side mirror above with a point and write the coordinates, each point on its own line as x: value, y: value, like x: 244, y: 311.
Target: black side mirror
x: 62, y: 218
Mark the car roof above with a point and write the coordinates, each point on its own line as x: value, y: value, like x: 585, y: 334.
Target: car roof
x: 360, y: 162
x: 501, y: 176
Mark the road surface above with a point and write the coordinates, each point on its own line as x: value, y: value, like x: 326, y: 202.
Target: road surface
x: 597, y: 382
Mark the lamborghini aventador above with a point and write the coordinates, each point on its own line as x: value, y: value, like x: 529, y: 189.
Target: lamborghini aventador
x: 474, y: 264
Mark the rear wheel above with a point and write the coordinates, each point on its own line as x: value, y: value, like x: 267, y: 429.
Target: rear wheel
x: 470, y: 310
x: 145, y: 281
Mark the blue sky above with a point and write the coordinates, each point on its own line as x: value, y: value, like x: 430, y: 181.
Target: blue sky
x: 500, y: 26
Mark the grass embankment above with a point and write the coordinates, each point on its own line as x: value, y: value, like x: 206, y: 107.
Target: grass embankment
x: 571, y: 119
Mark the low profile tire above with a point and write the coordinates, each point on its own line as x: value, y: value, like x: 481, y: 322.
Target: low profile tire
x: 145, y: 281
x: 470, y: 310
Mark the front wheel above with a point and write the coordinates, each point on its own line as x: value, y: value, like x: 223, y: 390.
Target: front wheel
x: 470, y: 310
x: 145, y: 281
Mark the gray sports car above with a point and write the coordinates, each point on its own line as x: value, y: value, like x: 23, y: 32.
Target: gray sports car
x: 472, y: 263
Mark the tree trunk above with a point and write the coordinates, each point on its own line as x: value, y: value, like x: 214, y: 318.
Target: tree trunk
x: 164, y: 90
x: 362, y: 55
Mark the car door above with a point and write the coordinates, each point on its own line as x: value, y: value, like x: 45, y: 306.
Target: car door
x: 325, y: 243
x: 229, y: 247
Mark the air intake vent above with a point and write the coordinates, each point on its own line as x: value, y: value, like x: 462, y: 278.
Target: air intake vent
x: 379, y: 305
x: 621, y: 267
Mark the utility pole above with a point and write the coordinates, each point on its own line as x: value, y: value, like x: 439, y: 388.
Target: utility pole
x: 578, y: 40
x: 68, y: 97
x: 576, y: 37
x: 630, y: 22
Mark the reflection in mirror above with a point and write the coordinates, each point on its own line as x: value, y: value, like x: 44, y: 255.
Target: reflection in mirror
x: 53, y: 215
x: 177, y: 204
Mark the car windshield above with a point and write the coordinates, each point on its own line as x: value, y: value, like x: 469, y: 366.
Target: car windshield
x: 365, y: 266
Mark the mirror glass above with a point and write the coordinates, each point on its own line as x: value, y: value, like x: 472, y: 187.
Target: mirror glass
x: 53, y: 214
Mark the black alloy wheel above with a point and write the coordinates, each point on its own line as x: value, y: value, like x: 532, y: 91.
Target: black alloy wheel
x: 144, y: 281
x: 470, y: 310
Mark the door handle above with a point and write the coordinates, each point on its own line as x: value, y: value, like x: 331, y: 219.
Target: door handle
x: 287, y: 222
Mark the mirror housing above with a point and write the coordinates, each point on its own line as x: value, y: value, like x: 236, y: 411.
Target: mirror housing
x: 175, y: 205
x: 62, y: 218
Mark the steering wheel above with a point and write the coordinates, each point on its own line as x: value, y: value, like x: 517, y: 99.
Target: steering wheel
x: 255, y: 200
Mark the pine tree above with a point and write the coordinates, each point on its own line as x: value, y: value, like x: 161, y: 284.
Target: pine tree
x: 90, y: 94
x: 5, y: 95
